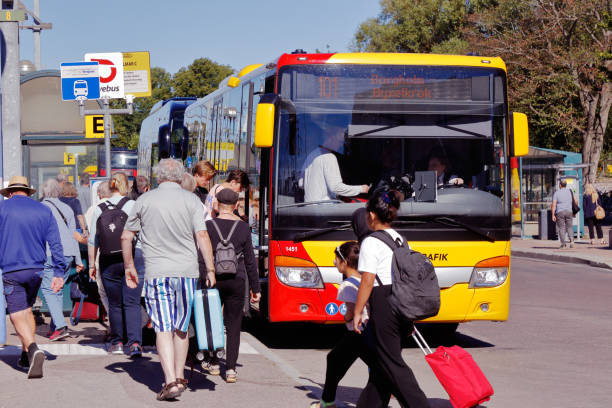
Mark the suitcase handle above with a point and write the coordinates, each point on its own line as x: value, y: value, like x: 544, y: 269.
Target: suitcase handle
x: 420, y: 341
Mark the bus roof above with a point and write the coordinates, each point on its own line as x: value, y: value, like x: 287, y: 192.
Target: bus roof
x: 185, y: 100
x: 392, y: 59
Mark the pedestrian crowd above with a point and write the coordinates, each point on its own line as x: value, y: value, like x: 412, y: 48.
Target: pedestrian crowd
x: 165, y: 243
x: 137, y: 243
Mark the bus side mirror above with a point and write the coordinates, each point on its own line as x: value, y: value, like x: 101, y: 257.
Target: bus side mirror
x: 520, y: 135
x: 265, y: 119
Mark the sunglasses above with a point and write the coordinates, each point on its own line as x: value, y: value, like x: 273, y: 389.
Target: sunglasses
x: 337, y: 251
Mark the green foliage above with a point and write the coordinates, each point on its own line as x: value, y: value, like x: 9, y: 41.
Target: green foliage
x: 413, y: 26
x: 199, y: 79
x: 127, y: 127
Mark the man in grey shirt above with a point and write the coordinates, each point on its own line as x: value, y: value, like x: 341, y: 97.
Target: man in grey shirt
x: 563, y: 214
x: 84, y: 192
x: 322, y: 179
x: 167, y: 220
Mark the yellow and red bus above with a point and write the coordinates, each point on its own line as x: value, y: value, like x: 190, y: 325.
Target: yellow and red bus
x: 393, y: 111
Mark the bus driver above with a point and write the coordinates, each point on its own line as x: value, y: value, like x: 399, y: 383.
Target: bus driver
x: 322, y: 179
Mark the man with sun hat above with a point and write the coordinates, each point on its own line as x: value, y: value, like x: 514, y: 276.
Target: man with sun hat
x: 26, y: 227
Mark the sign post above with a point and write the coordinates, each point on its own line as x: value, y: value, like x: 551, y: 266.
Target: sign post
x: 101, y: 76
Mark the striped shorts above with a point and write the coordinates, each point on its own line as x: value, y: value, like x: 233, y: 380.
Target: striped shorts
x: 169, y: 302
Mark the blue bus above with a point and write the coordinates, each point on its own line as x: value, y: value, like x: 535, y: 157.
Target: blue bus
x: 163, y: 135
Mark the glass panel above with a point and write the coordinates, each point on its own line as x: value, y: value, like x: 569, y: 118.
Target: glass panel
x: 47, y: 161
x: 378, y: 126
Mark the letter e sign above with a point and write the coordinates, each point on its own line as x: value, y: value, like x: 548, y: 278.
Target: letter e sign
x: 94, y: 127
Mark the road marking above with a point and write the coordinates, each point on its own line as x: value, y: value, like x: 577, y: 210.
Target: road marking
x: 93, y: 349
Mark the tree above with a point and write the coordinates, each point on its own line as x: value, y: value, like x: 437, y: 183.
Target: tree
x: 200, y: 78
x: 414, y: 26
x: 560, y: 65
x: 127, y: 127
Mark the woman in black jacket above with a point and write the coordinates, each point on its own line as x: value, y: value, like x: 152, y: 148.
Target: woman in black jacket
x: 590, y: 201
x: 228, y: 226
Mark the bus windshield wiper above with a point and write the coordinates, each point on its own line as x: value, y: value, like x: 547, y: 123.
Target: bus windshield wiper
x: 303, y: 236
x: 308, y: 203
x: 449, y: 222
x: 454, y: 223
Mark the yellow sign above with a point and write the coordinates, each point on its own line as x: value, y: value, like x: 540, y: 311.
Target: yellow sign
x: 94, y: 127
x: 91, y: 169
x: 69, y: 159
x: 137, y: 73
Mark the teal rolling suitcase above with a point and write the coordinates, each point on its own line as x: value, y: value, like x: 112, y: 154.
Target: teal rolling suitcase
x: 209, y: 320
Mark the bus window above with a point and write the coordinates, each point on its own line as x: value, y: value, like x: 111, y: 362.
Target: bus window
x: 245, y: 125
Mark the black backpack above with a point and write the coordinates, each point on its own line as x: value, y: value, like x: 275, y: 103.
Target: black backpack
x: 415, y: 293
x: 226, y: 259
x: 109, y: 227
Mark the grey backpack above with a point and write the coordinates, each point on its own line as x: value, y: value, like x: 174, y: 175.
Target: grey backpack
x: 226, y: 259
x: 415, y: 293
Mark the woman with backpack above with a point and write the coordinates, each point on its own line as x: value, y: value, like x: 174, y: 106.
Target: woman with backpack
x: 232, y: 268
x: 124, y: 311
x: 389, y: 374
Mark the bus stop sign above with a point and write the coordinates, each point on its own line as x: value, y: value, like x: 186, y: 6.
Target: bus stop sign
x: 80, y: 81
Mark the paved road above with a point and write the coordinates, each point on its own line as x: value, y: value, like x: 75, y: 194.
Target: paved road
x: 555, y: 351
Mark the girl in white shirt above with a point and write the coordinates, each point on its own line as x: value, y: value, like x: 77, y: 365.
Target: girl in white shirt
x: 351, y: 346
x: 389, y: 374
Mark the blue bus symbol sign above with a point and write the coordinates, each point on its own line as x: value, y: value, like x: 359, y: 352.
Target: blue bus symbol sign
x: 80, y: 88
x: 342, y: 309
x: 80, y: 80
x: 331, y: 309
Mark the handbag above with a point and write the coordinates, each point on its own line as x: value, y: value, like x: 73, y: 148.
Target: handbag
x: 600, y: 213
x: 575, y: 207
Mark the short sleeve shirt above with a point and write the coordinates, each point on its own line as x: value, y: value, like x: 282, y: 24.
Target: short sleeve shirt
x: 168, y: 218
x: 375, y: 257
x: 347, y: 293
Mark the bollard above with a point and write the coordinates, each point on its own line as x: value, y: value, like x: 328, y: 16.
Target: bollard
x: 610, y: 238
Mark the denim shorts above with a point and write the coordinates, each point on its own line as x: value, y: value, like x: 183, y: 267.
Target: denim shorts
x: 21, y: 288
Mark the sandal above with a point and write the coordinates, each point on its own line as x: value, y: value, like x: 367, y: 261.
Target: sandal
x: 165, y: 394
x: 182, y: 384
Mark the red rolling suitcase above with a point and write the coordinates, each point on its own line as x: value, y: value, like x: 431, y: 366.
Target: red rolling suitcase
x: 458, y: 373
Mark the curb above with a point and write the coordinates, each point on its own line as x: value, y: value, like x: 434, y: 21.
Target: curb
x: 561, y: 258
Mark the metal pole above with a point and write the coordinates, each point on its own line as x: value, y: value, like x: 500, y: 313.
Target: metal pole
x: 36, y: 32
x: 521, y: 197
x: 11, y: 102
x: 107, y: 136
x: 76, y: 169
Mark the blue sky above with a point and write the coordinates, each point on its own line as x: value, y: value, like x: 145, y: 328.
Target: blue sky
x: 236, y: 33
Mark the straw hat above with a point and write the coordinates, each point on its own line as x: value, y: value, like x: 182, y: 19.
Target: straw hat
x: 17, y: 183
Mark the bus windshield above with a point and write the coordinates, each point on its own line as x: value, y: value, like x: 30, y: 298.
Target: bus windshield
x: 348, y: 129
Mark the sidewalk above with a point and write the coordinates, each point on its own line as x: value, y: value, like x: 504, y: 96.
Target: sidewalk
x: 583, y: 252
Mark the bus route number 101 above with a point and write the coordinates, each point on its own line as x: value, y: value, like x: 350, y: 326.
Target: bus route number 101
x: 328, y: 87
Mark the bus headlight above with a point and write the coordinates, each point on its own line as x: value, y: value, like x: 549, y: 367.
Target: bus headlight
x: 490, y: 272
x: 298, y: 272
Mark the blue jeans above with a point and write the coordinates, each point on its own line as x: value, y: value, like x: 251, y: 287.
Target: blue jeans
x: 124, y: 310
x: 55, y: 301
